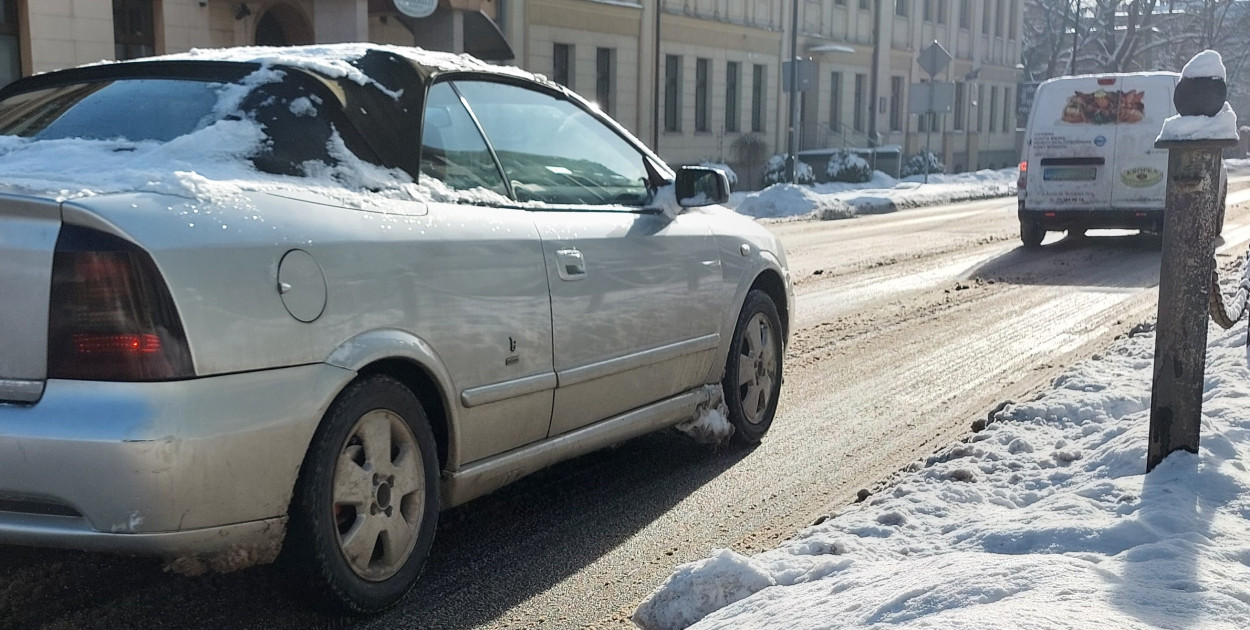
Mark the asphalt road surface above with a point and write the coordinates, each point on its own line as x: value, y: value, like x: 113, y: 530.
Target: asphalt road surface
x: 910, y: 326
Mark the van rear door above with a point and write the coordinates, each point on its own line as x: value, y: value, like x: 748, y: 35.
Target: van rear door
x: 1138, y: 179
x: 1070, y: 146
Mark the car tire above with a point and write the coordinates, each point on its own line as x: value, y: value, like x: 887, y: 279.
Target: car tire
x: 753, y: 371
x: 1032, y: 233
x: 365, y: 508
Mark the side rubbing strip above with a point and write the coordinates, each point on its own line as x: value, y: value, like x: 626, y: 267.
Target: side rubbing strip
x: 496, y: 392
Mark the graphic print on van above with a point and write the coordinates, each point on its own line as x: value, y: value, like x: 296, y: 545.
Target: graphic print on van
x: 1105, y: 108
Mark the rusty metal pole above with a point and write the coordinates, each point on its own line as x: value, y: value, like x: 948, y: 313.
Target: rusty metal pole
x: 1187, y: 262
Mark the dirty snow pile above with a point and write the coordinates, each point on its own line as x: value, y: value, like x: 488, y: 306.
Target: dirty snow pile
x: 1045, y: 519
x: 879, y: 195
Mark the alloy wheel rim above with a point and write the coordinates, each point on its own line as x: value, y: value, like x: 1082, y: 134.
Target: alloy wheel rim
x: 757, y: 368
x: 378, y: 495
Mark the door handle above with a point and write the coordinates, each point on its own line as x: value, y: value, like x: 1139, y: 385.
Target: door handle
x: 571, y: 263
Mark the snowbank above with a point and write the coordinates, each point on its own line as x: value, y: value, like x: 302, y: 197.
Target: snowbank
x: 1043, y: 520
x: 882, y: 194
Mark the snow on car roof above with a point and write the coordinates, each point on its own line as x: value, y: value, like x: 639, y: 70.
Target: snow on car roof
x: 213, y: 163
x: 334, y: 60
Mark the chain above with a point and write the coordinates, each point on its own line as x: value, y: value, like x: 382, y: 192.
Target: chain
x: 1219, y: 309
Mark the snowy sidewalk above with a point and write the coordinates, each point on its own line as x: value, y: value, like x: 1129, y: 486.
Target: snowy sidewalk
x: 882, y: 194
x: 1043, y: 520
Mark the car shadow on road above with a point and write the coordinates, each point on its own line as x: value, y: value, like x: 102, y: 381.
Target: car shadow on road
x: 489, y: 555
x: 1107, y: 261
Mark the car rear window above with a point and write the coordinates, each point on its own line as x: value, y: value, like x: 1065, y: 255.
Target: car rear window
x: 136, y: 110
x: 299, y: 126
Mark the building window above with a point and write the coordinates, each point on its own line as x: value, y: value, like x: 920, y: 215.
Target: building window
x: 941, y: 11
x: 562, y: 64
x: 961, y: 105
x: 987, y: 18
x: 896, y: 103
x: 1007, y: 109
x: 283, y: 25
x: 134, y: 32
x: 759, y: 87
x: 605, y: 79
x: 864, y: 4
x: 965, y: 14
x: 733, y: 77
x: 900, y: 7
x: 928, y: 10
x: 1011, y: 24
x: 861, y: 95
x: 841, y: 3
x: 672, y: 93
x: 701, y: 122
x: 998, y: 24
x: 835, y: 101
x: 10, y: 43
x: 993, y: 109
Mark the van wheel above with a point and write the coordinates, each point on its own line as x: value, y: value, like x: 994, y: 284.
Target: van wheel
x: 1032, y: 233
x: 364, y: 511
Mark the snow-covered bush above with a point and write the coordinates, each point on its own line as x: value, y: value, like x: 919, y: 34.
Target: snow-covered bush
x: 775, y: 172
x: 848, y: 167
x: 916, y: 164
x: 724, y: 168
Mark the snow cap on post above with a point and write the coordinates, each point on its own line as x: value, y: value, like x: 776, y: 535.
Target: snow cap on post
x: 1203, y: 112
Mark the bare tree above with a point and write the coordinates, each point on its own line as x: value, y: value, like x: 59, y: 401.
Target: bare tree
x: 1083, y: 36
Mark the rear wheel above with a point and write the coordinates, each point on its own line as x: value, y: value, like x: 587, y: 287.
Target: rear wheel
x: 752, y: 380
x: 1031, y: 233
x: 363, y: 516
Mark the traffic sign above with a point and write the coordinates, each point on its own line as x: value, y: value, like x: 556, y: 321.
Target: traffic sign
x: 934, y: 59
x: 416, y: 8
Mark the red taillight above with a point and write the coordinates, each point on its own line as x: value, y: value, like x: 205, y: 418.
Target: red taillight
x: 1106, y: 81
x: 1024, y: 176
x: 111, y: 315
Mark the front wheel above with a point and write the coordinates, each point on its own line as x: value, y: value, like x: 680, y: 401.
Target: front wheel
x: 1032, y: 233
x: 752, y: 381
x: 363, y: 516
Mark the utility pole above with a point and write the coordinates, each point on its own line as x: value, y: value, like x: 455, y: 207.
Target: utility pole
x: 792, y: 144
x: 872, y: 83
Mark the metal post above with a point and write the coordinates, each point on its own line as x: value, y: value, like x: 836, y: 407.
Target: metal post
x: 1187, y: 262
x: 793, y: 141
x: 928, y: 130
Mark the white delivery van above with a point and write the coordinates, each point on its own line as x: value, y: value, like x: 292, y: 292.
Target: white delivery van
x: 1089, y: 156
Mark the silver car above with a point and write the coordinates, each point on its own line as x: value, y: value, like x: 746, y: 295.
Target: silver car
x: 289, y: 304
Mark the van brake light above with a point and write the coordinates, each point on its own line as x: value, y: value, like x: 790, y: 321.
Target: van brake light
x: 1024, y: 175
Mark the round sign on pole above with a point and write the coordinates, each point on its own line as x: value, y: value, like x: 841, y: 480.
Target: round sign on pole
x: 416, y: 8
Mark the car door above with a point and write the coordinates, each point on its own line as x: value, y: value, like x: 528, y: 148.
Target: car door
x: 634, y: 292
x: 483, y: 275
x: 1138, y: 179
x: 1073, y: 144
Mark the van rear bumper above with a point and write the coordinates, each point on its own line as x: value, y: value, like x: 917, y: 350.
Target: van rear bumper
x: 1057, y: 219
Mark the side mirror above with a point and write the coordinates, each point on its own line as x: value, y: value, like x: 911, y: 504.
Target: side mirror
x: 701, y: 186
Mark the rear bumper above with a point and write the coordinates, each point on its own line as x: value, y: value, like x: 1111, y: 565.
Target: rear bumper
x: 202, y: 466
x: 1057, y: 219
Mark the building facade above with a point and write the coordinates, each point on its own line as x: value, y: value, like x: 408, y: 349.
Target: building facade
x: 697, y: 79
